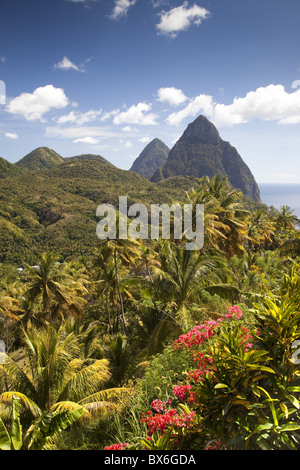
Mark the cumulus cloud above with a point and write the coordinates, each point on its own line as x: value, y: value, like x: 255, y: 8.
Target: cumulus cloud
x: 2, y: 92
x: 67, y: 64
x: 11, y: 135
x: 180, y: 19
x: 79, y: 132
x: 121, y: 7
x: 79, y: 118
x: 107, y: 115
x: 199, y: 104
x: 171, y: 95
x: 86, y: 140
x: 144, y: 140
x: 33, y: 106
x: 270, y: 103
x: 137, y: 114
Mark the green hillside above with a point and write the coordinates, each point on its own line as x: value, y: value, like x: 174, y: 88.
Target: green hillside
x: 8, y: 169
x: 39, y: 159
x: 55, y: 209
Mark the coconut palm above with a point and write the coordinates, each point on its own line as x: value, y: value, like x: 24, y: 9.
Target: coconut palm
x: 40, y: 434
x: 183, y: 274
x: 261, y: 229
x: 9, y: 312
x: 286, y: 219
x: 225, y: 225
x: 57, y: 376
x: 54, y: 285
x: 124, y: 251
x: 231, y: 214
x: 214, y: 229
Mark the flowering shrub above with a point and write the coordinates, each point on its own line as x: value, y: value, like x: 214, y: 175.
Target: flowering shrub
x: 241, y: 390
x: 121, y: 446
x: 171, y: 418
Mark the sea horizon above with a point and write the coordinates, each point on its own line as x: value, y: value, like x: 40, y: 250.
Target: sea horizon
x: 281, y: 194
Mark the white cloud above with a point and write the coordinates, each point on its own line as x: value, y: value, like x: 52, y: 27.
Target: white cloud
x: 197, y: 105
x: 137, y: 114
x: 2, y: 59
x: 66, y: 64
x: 78, y: 132
x: 79, y: 118
x: 33, y: 106
x: 127, y: 144
x: 11, y: 135
x: 86, y: 140
x: 121, y: 7
x: 270, y: 103
x: 107, y: 115
x: 144, y: 140
x: 158, y: 3
x: 129, y: 129
x: 171, y: 95
x: 2, y: 92
x: 180, y: 19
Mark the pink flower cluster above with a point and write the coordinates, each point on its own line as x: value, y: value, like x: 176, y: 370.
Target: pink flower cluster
x: 160, y: 406
x: 170, y: 418
x: 121, y: 446
x: 181, y: 391
x: 235, y: 312
x: 195, y: 336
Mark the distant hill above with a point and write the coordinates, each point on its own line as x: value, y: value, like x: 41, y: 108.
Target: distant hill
x: 89, y: 156
x: 40, y: 159
x: 200, y: 151
x: 154, y: 155
x: 48, y: 202
x: 8, y: 169
x: 55, y: 209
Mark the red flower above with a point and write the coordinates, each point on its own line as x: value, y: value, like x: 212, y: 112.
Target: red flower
x: 121, y: 446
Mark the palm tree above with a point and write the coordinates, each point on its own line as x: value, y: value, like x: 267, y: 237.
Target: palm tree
x: 9, y: 311
x: 261, y: 229
x: 148, y: 258
x: 109, y: 286
x: 286, y: 219
x: 214, y: 229
x: 126, y: 251
x: 40, y: 434
x: 225, y: 225
x: 57, y: 376
x: 183, y: 274
x: 231, y: 214
x: 56, y: 287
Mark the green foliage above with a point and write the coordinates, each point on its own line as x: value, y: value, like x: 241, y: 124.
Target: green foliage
x: 89, y: 328
x: 40, y: 434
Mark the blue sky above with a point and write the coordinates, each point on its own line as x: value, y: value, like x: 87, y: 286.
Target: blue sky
x: 108, y: 76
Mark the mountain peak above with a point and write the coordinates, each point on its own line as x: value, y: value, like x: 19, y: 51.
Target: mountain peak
x: 200, y: 151
x: 201, y: 131
x: 40, y: 159
x: 153, y: 156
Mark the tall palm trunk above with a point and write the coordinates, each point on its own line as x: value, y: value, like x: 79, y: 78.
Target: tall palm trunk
x: 120, y: 295
x: 108, y: 315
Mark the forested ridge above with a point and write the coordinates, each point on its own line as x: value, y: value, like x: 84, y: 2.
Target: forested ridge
x: 142, y: 344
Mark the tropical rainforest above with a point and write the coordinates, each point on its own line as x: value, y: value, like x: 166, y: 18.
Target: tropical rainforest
x: 142, y: 344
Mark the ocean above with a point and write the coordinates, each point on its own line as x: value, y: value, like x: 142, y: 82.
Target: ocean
x: 281, y: 195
